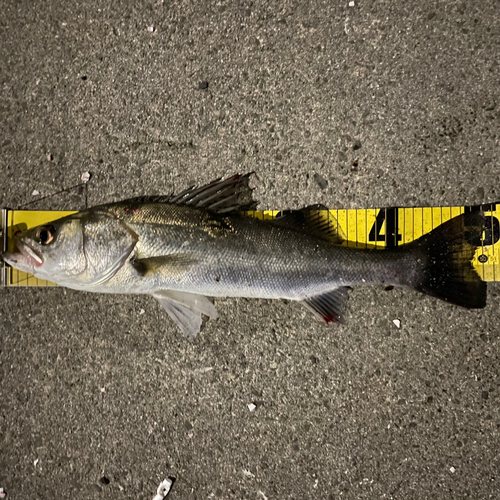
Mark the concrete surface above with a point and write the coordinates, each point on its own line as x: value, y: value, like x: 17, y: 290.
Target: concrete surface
x: 390, y: 103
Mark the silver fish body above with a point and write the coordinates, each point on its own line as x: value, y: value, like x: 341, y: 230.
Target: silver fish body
x: 181, y: 249
x: 238, y: 256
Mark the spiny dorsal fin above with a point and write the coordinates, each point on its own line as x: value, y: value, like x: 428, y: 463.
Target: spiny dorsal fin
x: 222, y: 196
x: 329, y: 306
x: 314, y: 219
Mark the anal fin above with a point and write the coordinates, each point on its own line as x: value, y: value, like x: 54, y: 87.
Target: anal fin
x: 329, y: 306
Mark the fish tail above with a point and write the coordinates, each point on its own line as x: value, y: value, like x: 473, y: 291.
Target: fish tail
x: 444, y: 256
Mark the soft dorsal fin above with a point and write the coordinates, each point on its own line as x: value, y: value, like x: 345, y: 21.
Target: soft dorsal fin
x: 222, y: 196
x: 329, y: 306
x: 314, y: 219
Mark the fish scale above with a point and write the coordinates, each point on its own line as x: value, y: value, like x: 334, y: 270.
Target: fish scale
x: 254, y: 258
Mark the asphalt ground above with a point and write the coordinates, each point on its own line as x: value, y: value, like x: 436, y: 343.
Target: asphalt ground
x: 378, y: 104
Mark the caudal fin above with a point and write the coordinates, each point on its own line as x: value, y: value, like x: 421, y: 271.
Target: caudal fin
x: 445, y: 255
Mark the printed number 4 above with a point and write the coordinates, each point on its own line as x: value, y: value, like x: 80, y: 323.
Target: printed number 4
x: 390, y: 217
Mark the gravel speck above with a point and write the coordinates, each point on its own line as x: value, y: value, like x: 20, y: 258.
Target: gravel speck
x: 321, y: 181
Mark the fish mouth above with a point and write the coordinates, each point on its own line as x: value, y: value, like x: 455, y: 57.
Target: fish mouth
x: 27, y: 256
x: 30, y: 253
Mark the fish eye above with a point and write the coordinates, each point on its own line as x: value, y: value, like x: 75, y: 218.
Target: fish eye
x: 45, y: 234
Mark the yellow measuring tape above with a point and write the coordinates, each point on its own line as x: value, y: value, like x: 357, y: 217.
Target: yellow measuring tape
x: 364, y: 228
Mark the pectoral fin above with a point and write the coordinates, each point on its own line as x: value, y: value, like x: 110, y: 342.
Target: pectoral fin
x: 186, y: 310
x: 165, y: 264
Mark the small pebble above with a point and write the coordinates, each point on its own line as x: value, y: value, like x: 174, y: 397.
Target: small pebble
x: 203, y: 85
x: 320, y: 181
x: 356, y: 145
x: 35, y: 192
x: 50, y: 157
x: 397, y: 322
x: 35, y: 462
x: 163, y: 489
x: 251, y: 407
x: 452, y: 470
x: 2, y: 493
x: 351, y: 4
x: 151, y: 29
x: 142, y: 311
x: 85, y: 177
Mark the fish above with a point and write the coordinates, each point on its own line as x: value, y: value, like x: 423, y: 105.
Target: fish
x: 183, y: 248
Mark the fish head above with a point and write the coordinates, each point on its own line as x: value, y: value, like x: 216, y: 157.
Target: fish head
x: 81, y: 251
x: 49, y: 251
